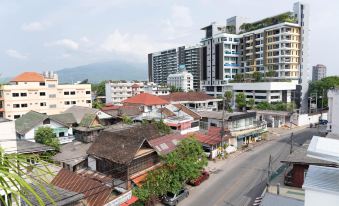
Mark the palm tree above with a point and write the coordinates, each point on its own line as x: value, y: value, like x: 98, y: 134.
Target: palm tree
x: 16, y: 178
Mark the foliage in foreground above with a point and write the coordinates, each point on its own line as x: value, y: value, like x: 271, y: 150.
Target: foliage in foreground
x: 16, y: 178
x: 181, y: 165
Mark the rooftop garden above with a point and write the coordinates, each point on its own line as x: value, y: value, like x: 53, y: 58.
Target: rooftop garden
x: 256, y: 76
x: 284, y: 17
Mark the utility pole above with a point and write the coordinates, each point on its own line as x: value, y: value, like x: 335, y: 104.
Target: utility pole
x: 269, y: 172
x: 291, y: 142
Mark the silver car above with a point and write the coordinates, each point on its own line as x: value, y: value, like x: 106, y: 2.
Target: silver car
x: 174, y: 199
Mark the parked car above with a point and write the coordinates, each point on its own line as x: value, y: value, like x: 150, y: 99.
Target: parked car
x: 197, y: 181
x: 174, y: 199
x: 323, y: 121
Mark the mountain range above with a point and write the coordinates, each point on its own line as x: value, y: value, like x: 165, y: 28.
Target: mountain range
x: 96, y: 72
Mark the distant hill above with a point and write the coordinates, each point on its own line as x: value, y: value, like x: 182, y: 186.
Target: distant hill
x: 4, y: 80
x: 96, y: 72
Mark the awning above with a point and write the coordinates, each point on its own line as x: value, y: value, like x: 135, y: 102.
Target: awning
x: 130, y: 201
x: 138, y: 180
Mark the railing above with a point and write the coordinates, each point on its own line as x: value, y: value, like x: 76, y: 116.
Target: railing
x: 66, y: 139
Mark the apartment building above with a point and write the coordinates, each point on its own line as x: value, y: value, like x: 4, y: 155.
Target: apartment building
x: 182, y: 80
x: 41, y: 92
x: 166, y: 62
x: 318, y: 72
x: 275, y: 47
x: 118, y: 91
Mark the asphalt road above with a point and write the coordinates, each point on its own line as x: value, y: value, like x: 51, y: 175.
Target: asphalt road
x: 243, y: 178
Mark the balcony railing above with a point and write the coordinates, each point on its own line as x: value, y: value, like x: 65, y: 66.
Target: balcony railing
x: 66, y: 139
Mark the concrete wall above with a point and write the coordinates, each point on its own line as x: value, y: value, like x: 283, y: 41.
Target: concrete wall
x: 305, y: 119
x: 8, y: 136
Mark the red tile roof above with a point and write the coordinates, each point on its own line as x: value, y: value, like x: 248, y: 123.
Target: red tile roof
x: 96, y: 192
x: 130, y: 201
x: 211, y: 138
x: 145, y: 99
x: 187, y: 96
x: 29, y: 77
x: 167, y: 143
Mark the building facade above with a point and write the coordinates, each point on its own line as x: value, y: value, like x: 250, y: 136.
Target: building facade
x: 182, y: 80
x: 275, y: 47
x: 116, y: 92
x: 163, y: 63
x: 41, y: 92
x: 318, y: 72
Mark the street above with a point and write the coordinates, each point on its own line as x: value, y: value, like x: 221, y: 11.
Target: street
x: 241, y: 179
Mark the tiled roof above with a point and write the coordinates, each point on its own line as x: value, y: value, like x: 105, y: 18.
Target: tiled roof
x: 87, y: 120
x: 166, y: 144
x: 187, y: 96
x: 65, y: 118
x: 212, y: 137
x: 77, y: 150
x: 183, y: 108
x: 121, y: 146
x: 28, y: 121
x: 124, y: 110
x: 29, y: 77
x: 60, y: 196
x: 79, y: 112
x: 27, y: 147
x: 145, y: 99
x: 96, y: 192
x: 33, y: 118
x: 166, y: 112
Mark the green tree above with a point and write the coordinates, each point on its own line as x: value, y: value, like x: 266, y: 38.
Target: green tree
x: 321, y: 88
x: 126, y: 119
x: 46, y: 136
x: 97, y: 104
x: 162, y: 127
x: 99, y: 88
x: 239, y: 78
x: 270, y: 73
x: 175, y: 89
x: 251, y: 103
x: 240, y: 100
x: 228, y: 100
x: 181, y: 165
x: 257, y: 76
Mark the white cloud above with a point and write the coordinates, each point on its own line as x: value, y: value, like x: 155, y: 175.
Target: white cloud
x: 85, y: 39
x: 179, y: 23
x: 15, y: 54
x: 34, y: 26
x: 65, y: 43
x: 132, y: 46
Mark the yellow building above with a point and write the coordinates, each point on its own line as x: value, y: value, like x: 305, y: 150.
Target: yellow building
x: 41, y: 93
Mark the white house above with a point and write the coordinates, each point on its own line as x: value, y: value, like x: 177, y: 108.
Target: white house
x: 182, y: 80
x: 29, y: 123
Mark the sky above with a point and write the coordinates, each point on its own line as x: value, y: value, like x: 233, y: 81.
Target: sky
x: 40, y: 35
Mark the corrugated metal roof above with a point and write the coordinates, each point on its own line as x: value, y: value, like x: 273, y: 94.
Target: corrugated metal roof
x: 322, y: 179
x: 278, y: 200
